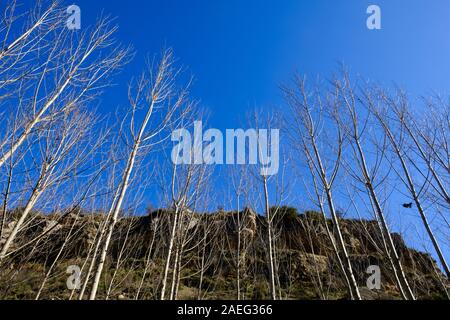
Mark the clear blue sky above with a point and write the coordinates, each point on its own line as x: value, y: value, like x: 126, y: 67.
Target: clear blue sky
x: 240, y: 51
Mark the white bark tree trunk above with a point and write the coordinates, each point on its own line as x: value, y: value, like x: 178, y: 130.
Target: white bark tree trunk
x: 115, y: 210
x: 169, y: 253
x: 273, y: 290
x: 36, y: 193
x: 392, y: 252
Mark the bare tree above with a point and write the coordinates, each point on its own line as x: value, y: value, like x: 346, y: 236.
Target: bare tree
x: 396, y: 139
x: 60, y: 140
x: 23, y: 35
x: 151, y: 251
x: 240, y: 189
x: 155, y: 95
x: 268, y: 184
x: 306, y: 131
x: 429, y: 139
x: 187, y: 188
x: 66, y: 70
x: 354, y: 128
x: 207, y: 249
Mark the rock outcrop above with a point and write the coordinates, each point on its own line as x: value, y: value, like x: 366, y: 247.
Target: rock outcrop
x: 305, y: 260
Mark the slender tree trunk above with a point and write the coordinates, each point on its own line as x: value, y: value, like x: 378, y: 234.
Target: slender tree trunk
x: 115, y: 214
x: 238, y: 271
x: 178, y: 277
x: 169, y: 254
x: 392, y: 250
x: 343, y: 249
x: 175, y: 270
x: 270, y: 240
x: 98, y: 243
x: 6, y: 199
x: 202, y: 269
x: 354, y: 290
x: 119, y: 258
x: 350, y: 284
x: 36, y: 193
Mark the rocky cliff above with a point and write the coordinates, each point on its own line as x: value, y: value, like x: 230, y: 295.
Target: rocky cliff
x: 213, y: 251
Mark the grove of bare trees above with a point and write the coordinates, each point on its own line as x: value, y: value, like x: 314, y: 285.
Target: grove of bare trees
x: 359, y: 161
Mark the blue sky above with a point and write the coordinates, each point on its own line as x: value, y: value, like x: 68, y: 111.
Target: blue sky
x: 241, y: 51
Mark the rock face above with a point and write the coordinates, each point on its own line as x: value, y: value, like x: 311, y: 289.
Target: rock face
x: 305, y: 260
x: 6, y: 232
